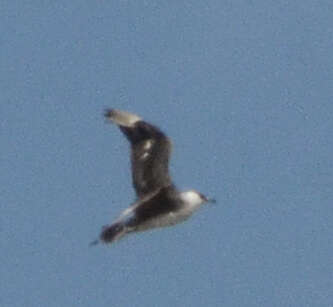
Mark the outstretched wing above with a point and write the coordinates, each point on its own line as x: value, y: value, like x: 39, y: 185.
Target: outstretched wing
x: 150, y: 151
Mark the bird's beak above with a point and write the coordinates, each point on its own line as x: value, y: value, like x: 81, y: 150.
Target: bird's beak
x: 211, y: 200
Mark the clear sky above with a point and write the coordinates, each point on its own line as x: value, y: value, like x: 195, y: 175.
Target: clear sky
x: 243, y: 88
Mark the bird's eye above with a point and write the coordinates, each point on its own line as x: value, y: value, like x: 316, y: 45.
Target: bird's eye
x: 203, y: 197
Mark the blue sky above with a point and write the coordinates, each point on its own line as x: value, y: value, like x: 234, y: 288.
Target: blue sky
x: 243, y: 88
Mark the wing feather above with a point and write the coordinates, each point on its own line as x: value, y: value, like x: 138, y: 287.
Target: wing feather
x: 150, y: 152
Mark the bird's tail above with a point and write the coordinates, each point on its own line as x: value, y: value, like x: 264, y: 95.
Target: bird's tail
x: 113, y: 232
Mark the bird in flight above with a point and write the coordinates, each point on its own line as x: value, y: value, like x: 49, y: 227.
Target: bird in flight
x: 159, y: 203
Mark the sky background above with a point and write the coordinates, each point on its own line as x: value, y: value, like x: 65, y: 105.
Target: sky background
x: 243, y: 88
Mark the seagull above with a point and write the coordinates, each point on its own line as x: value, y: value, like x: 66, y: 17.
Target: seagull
x: 159, y: 203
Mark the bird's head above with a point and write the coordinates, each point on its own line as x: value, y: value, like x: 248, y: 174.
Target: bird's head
x: 196, y: 198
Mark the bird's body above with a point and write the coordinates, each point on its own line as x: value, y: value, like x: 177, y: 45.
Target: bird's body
x: 159, y: 203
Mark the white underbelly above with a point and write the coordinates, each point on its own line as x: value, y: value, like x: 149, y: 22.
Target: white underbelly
x: 166, y: 220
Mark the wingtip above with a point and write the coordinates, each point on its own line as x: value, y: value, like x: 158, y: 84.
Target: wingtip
x: 112, y: 233
x: 108, y: 113
x: 121, y: 118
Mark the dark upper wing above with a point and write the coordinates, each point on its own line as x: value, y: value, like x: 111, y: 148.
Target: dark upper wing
x: 150, y: 152
x: 163, y: 201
